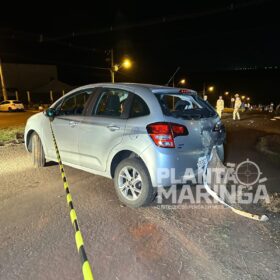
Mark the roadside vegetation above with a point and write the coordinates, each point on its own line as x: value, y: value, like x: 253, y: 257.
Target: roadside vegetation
x: 9, y: 134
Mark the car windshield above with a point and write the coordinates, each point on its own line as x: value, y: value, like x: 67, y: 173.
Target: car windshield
x: 16, y: 102
x: 185, y: 106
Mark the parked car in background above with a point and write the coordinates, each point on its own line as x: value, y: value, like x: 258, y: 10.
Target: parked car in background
x: 128, y: 132
x: 11, y: 105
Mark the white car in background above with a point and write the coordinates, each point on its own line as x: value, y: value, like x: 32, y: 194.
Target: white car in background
x: 11, y: 105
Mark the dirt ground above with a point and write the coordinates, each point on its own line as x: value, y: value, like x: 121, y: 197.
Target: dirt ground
x: 37, y: 241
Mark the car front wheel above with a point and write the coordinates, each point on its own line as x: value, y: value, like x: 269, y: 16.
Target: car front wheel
x: 133, y: 184
x: 38, y: 155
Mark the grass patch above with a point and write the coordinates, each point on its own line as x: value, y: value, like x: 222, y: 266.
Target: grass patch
x: 8, y: 134
x: 274, y: 205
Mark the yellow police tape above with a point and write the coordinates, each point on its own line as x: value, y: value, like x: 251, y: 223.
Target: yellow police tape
x: 73, y: 216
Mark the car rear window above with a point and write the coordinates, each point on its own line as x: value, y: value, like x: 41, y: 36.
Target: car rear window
x: 185, y: 106
x: 139, y: 108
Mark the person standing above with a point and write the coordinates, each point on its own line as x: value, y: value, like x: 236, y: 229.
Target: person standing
x: 220, y: 105
x: 271, y: 107
x: 237, y: 105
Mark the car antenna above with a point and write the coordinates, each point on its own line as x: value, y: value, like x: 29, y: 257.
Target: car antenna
x: 172, y: 77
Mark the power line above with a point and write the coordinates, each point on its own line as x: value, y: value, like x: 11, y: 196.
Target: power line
x: 41, y: 38
x: 57, y: 62
x: 157, y: 21
x: 8, y: 33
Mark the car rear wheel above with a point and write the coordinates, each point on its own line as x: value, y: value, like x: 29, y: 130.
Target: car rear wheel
x: 133, y: 184
x: 38, y: 155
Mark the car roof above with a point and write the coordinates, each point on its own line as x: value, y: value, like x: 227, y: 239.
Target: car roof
x: 144, y: 90
x: 151, y: 87
x: 159, y: 88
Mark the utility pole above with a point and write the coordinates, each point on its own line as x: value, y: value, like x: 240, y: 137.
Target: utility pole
x: 28, y: 97
x: 51, y: 96
x: 3, y: 85
x: 112, y: 67
x: 172, y: 77
x: 204, y: 89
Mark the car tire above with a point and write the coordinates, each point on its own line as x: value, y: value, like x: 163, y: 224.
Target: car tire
x: 147, y: 193
x: 38, y: 155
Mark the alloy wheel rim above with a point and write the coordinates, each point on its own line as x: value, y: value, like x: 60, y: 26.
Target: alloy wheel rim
x: 130, y: 183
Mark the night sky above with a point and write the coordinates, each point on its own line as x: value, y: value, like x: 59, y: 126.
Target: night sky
x: 233, y: 45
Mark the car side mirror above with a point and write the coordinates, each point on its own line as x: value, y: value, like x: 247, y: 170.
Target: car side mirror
x: 50, y: 113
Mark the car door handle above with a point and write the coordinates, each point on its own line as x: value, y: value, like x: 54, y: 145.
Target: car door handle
x: 113, y: 127
x: 73, y: 123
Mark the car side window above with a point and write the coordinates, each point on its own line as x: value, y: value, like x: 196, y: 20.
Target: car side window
x: 112, y: 102
x: 75, y: 104
x: 139, y: 108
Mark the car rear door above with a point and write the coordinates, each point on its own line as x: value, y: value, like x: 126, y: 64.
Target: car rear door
x: 103, y: 128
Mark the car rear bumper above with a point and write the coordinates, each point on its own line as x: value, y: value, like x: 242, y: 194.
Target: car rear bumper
x: 168, y: 166
x: 15, y: 109
x: 18, y: 109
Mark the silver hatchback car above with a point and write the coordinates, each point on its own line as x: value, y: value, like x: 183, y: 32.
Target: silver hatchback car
x: 128, y: 132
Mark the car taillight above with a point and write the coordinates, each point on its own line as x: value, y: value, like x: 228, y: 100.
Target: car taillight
x: 178, y: 129
x: 163, y: 133
x: 184, y: 91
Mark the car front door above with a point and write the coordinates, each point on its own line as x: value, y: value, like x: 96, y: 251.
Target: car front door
x: 66, y: 124
x: 102, y: 130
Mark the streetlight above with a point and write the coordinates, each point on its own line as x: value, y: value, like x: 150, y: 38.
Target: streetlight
x: 126, y: 63
x: 182, y: 82
x: 116, y: 67
x: 210, y: 88
x: 226, y: 94
x: 248, y: 98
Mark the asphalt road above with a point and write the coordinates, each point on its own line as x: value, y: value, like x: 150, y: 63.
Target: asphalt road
x: 37, y: 241
x: 15, y: 118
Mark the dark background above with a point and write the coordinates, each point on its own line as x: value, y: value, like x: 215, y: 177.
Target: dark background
x: 233, y: 45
